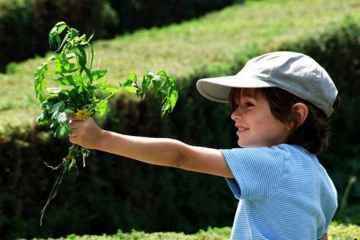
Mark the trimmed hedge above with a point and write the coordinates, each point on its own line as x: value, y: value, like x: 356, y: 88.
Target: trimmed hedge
x: 125, y: 193
x: 336, y: 232
x: 113, y: 192
x: 15, y: 31
x: 210, y: 43
x: 144, y: 13
x: 24, y: 24
x: 338, y: 51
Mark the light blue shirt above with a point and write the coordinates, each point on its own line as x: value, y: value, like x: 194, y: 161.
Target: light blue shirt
x: 283, y: 191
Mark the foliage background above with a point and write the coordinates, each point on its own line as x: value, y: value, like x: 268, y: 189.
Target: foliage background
x: 24, y: 24
x: 113, y: 192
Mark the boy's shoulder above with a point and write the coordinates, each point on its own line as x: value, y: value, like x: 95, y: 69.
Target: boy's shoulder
x: 277, y: 150
x: 278, y: 156
x: 296, y: 155
x: 293, y: 149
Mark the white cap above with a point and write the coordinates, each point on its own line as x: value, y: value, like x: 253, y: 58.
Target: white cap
x: 293, y: 72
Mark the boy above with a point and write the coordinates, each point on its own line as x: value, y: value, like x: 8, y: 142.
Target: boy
x: 281, y: 105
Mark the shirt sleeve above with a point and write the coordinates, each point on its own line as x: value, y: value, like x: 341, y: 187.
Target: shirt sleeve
x: 257, y: 171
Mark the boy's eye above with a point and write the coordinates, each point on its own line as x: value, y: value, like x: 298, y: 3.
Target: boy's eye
x: 249, y: 104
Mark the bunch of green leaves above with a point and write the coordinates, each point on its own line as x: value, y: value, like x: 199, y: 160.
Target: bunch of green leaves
x: 79, y: 86
x: 159, y: 84
x: 78, y: 89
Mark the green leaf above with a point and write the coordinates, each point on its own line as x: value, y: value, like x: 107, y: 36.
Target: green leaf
x: 57, y: 109
x: 81, y: 54
x: 169, y: 102
x: 97, y: 74
x: 127, y: 83
x: 90, y: 38
x: 66, y: 80
x: 62, y: 131
x: 130, y: 81
x: 42, y: 119
x: 72, y: 163
x: 109, y: 90
x: 132, y: 90
x: 54, y: 34
x: 78, y: 79
x: 102, y: 108
x: 174, y: 95
x: 130, y: 85
x: 40, y: 82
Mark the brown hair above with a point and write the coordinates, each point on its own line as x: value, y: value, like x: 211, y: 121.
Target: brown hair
x: 313, y: 134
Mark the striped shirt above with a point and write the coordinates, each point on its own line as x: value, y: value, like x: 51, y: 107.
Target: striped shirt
x: 283, y: 191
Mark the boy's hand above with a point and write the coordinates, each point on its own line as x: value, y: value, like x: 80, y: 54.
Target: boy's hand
x: 325, y: 237
x: 85, y: 133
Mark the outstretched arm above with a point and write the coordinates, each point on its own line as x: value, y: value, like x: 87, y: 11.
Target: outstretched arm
x: 157, y: 151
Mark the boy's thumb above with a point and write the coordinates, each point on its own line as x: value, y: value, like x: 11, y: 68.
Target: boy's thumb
x: 72, y: 117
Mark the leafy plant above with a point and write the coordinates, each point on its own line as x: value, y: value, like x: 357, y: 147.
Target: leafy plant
x: 78, y: 89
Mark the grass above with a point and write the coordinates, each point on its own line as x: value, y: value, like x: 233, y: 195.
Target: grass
x: 183, y: 50
x: 337, y: 231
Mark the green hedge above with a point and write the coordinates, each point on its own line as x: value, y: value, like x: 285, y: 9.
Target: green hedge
x: 24, y: 24
x: 336, y: 232
x: 15, y: 31
x: 125, y: 193
x: 149, y: 13
x: 338, y: 51
x: 113, y: 192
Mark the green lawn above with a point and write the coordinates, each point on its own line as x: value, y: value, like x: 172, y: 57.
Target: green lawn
x: 336, y: 232
x: 205, y: 44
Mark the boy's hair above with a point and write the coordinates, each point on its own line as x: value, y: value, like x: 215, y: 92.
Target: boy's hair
x: 313, y: 134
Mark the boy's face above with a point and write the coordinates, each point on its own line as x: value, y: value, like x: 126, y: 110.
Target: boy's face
x: 256, y: 126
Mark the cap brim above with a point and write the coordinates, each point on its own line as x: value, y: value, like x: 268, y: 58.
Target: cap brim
x: 217, y: 89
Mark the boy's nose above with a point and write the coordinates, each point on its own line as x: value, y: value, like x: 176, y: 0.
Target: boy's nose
x: 232, y: 116
x: 237, y: 113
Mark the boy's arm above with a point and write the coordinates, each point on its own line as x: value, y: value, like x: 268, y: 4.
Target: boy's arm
x: 204, y: 160
x: 165, y: 152
x: 157, y: 151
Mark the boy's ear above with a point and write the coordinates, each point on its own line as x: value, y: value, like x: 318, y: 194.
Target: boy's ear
x: 300, y: 112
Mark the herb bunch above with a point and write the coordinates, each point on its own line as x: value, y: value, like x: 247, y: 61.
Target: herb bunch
x: 80, y: 90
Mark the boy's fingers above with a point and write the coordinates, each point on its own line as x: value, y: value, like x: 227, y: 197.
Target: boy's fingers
x: 74, y: 120
x: 75, y: 124
x: 73, y: 117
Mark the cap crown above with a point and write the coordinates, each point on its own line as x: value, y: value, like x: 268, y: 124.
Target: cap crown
x: 296, y: 73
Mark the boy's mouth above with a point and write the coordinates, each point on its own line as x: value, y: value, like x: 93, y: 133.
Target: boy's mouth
x: 240, y: 130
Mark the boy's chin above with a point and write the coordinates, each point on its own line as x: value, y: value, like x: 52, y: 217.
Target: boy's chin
x: 246, y: 145
x: 243, y: 145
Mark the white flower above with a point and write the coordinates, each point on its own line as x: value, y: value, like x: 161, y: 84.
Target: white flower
x: 62, y: 117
